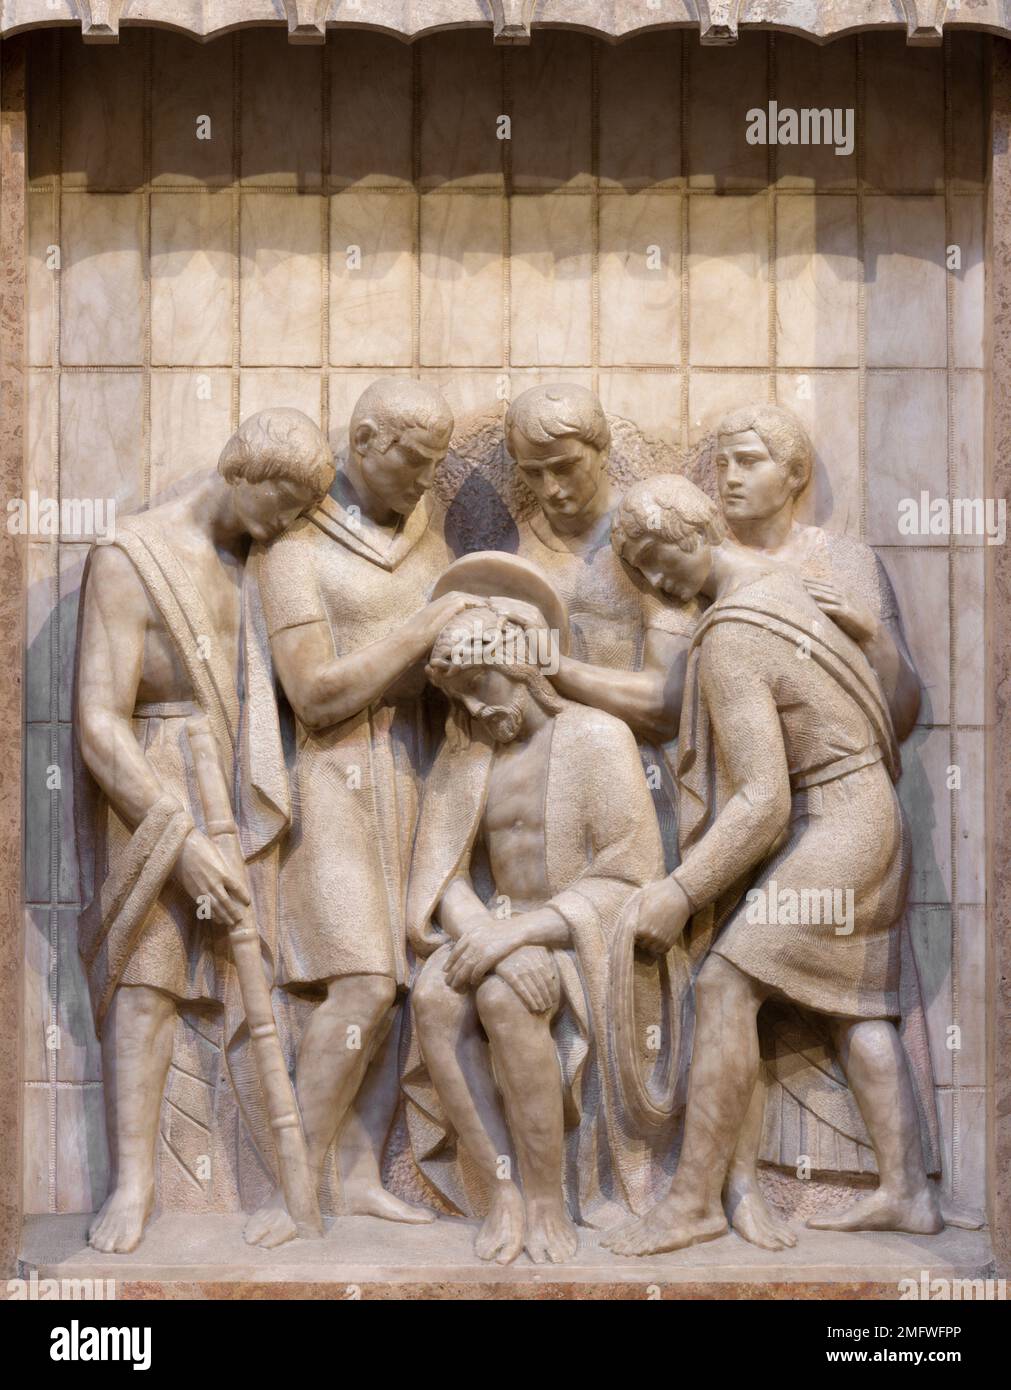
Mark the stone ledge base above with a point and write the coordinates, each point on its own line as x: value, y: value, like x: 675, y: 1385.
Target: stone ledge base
x: 186, y: 1256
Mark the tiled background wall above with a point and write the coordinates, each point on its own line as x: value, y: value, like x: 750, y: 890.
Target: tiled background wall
x: 626, y: 235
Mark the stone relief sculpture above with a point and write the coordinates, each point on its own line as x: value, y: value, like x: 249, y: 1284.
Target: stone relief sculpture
x: 786, y: 767
x: 536, y: 826
x: 345, y: 606
x: 480, y: 810
x: 160, y: 643
x: 763, y: 463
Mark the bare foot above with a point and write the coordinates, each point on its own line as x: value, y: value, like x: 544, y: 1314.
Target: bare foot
x: 885, y: 1211
x: 501, y: 1236
x: 551, y: 1236
x: 119, y: 1225
x: 271, y: 1225
x: 671, y: 1225
x: 373, y: 1200
x: 751, y: 1218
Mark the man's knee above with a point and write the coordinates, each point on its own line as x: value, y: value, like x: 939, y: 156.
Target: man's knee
x: 719, y: 981
x: 432, y: 998
x: 498, y: 1004
x: 143, y: 1005
x: 367, y: 997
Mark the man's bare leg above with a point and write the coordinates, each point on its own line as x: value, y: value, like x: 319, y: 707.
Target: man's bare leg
x: 746, y: 1208
x: 526, y: 1064
x: 361, y: 1142
x: 724, y: 1070
x: 876, y: 1067
x: 136, y: 1052
x: 456, y: 1054
x: 328, y: 1073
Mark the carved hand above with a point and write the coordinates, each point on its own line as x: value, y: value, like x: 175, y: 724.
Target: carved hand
x: 531, y: 973
x: 663, y: 913
x: 477, y: 952
x: 203, y: 873
x: 855, y: 619
x: 435, y: 615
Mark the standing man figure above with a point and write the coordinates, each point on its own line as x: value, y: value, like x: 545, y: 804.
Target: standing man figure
x: 160, y: 642
x: 629, y: 647
x: 345, y: 599
x: 785, y: 776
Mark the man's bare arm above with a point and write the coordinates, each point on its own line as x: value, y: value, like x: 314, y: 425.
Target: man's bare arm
x: 324, y: 689
x: 648, y: 700
x: 747, y: 728
x: 111, y: 659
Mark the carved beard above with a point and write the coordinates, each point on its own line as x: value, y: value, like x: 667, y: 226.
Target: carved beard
x: 503, y: 722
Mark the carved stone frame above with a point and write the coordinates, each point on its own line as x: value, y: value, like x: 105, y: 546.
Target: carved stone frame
x: 12, y: 630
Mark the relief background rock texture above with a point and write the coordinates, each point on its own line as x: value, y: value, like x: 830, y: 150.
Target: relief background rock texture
x: 202, y: 280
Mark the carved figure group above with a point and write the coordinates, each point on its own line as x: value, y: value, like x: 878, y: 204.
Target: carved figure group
x: 580, y: 851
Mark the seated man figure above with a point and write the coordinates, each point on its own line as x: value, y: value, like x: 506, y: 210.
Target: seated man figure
x: 786, y: 763
x: 539, y: 806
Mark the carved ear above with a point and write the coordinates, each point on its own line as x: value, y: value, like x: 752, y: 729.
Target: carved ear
x: 365, y: 432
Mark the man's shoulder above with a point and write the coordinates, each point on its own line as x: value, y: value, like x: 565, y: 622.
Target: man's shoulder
x: 594, y: 727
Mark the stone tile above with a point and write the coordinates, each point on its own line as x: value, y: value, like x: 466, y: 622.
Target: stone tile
x: 640, y: 111
x: 967, y: 101
x: 191, y: 82
x: 930, y: 932
x: 38, y: 630
x: 371, y: 288
x: 38, y: 814
x: 82, y: 1155
x: 79, y: 1057
x: 970, y: 804
x: 551, y: 313
x: 42, y: 280
x: 904, y: 115
x: 970, y: 1063
x: 190, y: 422
x: 102, y: 141
x: 906, y: 291
x: 920, y: 580
x: 461, y: 101
x: 370, y: 140
x: 40, y: 433
x: 968, y: 405
x: 102, y: 282
x: 191, y: 279
x: 712, y: 394
x: 970, y: 1127
x: 818, y: 276
x: 967, y: 231
x: 809, y: 76
x: 72, y: 561
x: 728, y: 299
x: 35, y: 1156
x: 906, y: 450
x: 724, y: 84
x: 101, y: 437
x: 923, y: 791
x: 651, y: 401
x: 281, y: 135
x: 828, y: 404
x: 36, y: 994
x: 550, y: 83
x: 281, y: 295
x: 259, y: 390
x: 461, y: 300
x: 639, y: 278
x: 969, y: 636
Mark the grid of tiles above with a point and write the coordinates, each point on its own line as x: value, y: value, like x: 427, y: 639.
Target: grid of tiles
x: 216, y: 228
